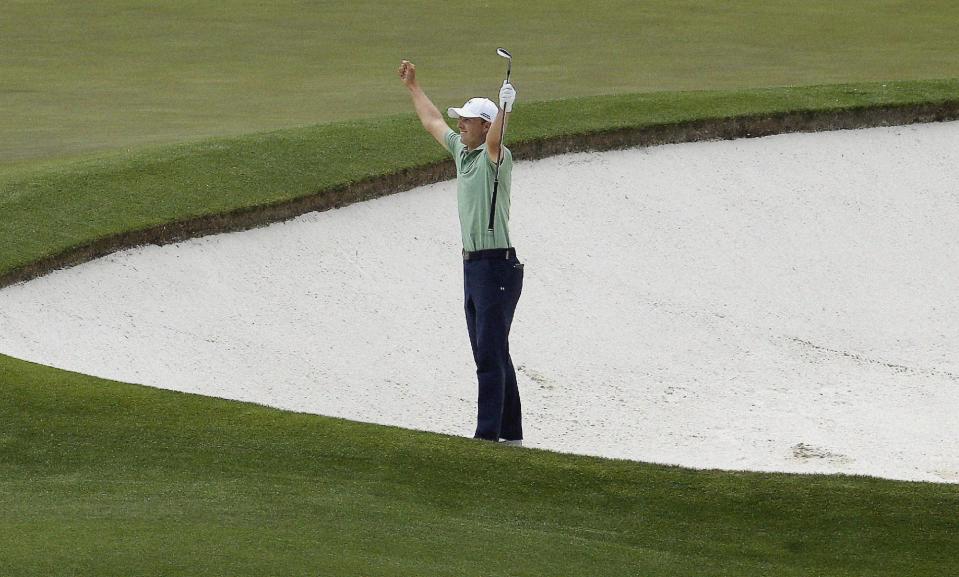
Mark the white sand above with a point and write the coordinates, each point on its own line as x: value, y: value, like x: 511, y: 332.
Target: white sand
x: 777, y: 304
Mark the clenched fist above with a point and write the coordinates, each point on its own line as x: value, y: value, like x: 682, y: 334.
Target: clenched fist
x: 507, y: 96
x: 407, y: 72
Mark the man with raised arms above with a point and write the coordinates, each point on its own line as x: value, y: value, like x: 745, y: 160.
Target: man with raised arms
x: 492, y: 274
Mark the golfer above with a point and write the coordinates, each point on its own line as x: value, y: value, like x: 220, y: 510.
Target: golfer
x: 492, y: 275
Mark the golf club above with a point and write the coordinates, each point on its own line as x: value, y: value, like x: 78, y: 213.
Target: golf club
x: 502, y: 132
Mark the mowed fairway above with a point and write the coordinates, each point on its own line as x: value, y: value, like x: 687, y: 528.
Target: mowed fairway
x: 79, y: 77
x: 99, y: 478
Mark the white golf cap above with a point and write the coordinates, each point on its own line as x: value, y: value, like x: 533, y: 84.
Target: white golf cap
x: 475, y: 108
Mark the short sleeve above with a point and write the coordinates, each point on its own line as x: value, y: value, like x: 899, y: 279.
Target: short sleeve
x: 452, y: 141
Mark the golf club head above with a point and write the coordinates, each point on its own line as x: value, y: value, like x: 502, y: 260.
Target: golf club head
x: 509, y: 59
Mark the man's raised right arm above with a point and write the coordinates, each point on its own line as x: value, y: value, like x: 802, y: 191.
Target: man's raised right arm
x: 430, y: 116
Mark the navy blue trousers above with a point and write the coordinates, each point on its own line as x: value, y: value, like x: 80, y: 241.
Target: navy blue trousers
x: 492, y: 288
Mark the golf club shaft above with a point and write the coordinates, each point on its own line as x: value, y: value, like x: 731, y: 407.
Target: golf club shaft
x: 502, y: 136
x: 499, y: 161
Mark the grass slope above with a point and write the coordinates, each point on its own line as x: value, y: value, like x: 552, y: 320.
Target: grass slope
x: 47, y: 211
x: 101, y: 478
x: 80, y: 77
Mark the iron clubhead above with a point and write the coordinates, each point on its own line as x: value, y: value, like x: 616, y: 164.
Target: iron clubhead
x: 509, y: 59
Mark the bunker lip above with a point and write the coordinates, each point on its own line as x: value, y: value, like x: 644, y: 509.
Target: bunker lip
x: 746, y: 126
x: 763, y: 305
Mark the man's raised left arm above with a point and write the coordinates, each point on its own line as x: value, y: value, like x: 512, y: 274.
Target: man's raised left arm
x: 494, y: 138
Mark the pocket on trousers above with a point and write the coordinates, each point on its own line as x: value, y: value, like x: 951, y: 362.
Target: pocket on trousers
x: 518, y: 275
x: 518, y: 270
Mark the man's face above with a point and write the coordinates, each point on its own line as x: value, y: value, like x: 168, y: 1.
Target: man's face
x: 473, y: 131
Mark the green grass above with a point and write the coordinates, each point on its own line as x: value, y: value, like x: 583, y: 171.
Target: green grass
x: 81, y: 77
x: 49, y: 210
x: 102, y: 478
x: 257, y: 103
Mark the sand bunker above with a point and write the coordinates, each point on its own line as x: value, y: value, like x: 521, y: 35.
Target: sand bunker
x: 778, y: 304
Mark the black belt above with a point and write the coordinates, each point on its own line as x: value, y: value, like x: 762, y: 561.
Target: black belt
x: 503, y: 253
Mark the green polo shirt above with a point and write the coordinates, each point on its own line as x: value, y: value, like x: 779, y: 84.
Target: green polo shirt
x: 475, y: 172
